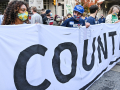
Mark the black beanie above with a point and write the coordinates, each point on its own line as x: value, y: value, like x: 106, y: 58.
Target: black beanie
x: 48, y: 11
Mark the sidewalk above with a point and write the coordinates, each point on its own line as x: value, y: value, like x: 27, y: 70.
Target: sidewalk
x: 109, y: 81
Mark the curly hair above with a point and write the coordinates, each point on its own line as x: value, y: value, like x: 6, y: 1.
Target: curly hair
x: 11, y: 12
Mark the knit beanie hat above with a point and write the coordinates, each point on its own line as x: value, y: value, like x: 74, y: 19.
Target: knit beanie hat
x: 48, y: 11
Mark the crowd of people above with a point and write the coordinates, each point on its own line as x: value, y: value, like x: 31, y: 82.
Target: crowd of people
x: 17, y: 12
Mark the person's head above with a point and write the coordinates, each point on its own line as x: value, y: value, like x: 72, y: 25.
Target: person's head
x: 93, y: 9
x: 114, y: 9
x: 57, y: 18
x: 48, y: 13
x: 77, y: 12
x: 64, y: 18
x: 33, y: 9
x: 69, y: 15
x: 16, y: 13
x: 43, y: 11
x: 102, y: 16
x: 84, y: 14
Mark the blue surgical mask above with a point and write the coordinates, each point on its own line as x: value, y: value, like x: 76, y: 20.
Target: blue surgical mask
x: 77, y: 18
x: 50, y: 14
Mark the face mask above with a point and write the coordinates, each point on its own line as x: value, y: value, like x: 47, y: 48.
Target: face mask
x: 58, y: 19
x: 77, y: 18
x: 50, y: 14
x: 23, y: 16
x: 115, y: 14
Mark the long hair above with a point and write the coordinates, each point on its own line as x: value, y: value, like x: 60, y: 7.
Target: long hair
x: 111, y: 9
x: 11, y: 12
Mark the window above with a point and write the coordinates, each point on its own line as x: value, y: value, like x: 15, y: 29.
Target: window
x: 27, y: 1
x: 3, y: 6
x: 46, y: 4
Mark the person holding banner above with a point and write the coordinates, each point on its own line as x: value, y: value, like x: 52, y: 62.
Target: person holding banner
x: 76, y: 20
x: 92, y: 19
x: 112, y: 16
x: 16, y: 13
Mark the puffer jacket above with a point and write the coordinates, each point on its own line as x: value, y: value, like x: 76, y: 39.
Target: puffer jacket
x: 108, y: 18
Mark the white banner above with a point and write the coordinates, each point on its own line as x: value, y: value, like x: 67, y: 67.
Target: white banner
x: 44, y: 57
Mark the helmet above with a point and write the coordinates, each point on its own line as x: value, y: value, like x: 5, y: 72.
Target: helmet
x: 79, y: 9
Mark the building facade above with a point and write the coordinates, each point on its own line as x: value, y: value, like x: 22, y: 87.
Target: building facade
x: 62, y: 10
x: 46, y: 4
x: 3, y: 5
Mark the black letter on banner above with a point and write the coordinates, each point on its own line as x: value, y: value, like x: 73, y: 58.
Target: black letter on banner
x: 84, y: 63
x: 20, y: 69
x: 100, y: 44
x: 113, y: 40
x: 56, y: 61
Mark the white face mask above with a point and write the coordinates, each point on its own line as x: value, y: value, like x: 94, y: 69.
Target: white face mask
x: 58, y: 19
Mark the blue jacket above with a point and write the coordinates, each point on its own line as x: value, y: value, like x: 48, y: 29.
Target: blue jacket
x: 92, y: 20
x: 102, y: 20
x: 71, y: 22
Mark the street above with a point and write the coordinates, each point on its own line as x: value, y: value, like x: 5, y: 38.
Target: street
x: 109, y: 81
